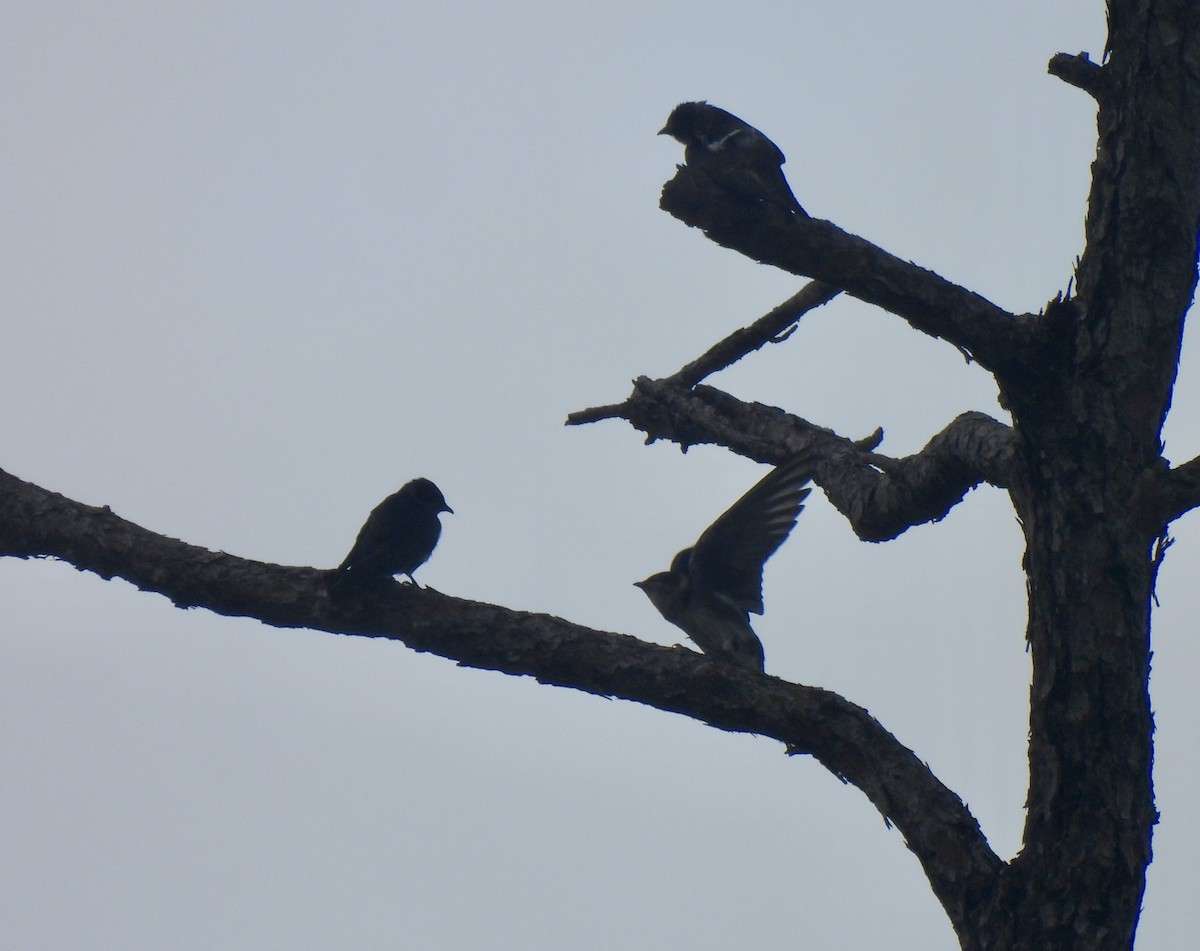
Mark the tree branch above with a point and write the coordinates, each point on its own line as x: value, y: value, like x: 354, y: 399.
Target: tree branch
x: 1000, y: 341
x: 1079, y: 71
x: 770, y: 328
x: 1178, y: 490
x: 773, y: 327
x: 938, y: 828
x: 881, y: 497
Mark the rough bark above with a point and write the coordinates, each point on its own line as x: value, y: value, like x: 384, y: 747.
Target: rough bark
x: 1089, y: 484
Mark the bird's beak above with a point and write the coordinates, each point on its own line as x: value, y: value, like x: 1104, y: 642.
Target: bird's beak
x: 448, y: 509
x: 664, y: 131
x: 640, y: 584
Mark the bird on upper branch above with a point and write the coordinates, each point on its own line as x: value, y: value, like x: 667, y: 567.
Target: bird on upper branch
x: 712, y: 588
x: 398, y: 536
x: 732, y: 153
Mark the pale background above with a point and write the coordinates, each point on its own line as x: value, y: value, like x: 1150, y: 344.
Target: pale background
x: 261, y: 263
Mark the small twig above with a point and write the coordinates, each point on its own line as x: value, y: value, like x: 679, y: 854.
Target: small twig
x: 593, y: 414
x: 774, y: 327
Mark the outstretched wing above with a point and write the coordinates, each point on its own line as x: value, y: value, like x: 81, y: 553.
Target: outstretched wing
x: 728, y: 558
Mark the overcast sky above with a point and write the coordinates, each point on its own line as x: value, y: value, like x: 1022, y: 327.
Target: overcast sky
x: 261, y: 263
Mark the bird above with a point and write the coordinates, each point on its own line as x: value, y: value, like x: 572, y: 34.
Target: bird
x: 711, y: 589
x: 398, y: 536
x: 732, y: 153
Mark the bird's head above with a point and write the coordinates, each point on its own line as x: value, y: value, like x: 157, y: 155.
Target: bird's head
x: 682, y: 123
x: 428, y: 494
x: 665, y: 591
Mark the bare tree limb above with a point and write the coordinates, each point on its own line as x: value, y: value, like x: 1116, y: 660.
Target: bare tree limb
x: 773, y: 327
x: 809, y: 247
x: 767, y: 329
x: 880, y: 496
x: 1078, y: 71
x: 847, y: 740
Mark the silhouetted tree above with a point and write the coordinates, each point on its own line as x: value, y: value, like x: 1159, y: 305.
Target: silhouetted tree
x: 1088, y: 384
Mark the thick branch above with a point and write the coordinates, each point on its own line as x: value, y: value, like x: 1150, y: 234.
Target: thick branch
x: 881, y: 497
x: 842, y: 736
x: 814, y: 248
x: 1079, y: 71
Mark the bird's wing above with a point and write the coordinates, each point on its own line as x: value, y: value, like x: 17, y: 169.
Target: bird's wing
x: 391, y: 518
x: 728, y: 558
x: 724, y: 132
x: 755, y: 143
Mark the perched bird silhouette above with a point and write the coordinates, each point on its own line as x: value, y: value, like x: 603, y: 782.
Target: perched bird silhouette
x: 712, y: 587
x: 732, y: 153
x: 398, y: 536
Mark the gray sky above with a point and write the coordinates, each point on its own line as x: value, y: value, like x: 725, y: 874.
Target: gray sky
x: 262, y: 263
